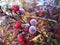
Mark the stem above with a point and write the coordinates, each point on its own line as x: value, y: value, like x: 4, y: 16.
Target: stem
x: 5, y: 31
x: 14, y: 36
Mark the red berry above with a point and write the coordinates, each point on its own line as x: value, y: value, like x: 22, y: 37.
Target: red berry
x: 15, y: 8
x: 20, y: 38
x: 23, y: 40
x: 17, y: 25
